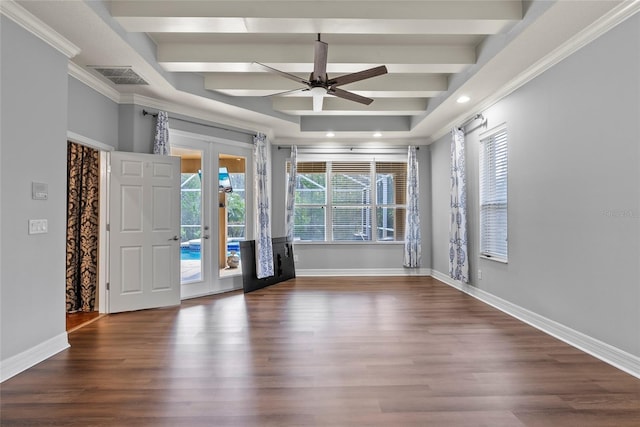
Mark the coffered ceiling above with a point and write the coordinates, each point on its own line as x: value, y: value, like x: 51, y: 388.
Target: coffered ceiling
x: 199, y: 57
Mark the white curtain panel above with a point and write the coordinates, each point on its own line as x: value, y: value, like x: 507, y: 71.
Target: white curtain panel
x: 291, y: 194
x: 264, y: 247
x: 458, y: 259
x: 161, y: 140
x: 412, y: 238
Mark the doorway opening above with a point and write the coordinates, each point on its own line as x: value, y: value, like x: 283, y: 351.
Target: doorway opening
x: 83, y: 234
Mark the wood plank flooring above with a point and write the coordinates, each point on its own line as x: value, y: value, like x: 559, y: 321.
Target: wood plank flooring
x: 368, y: 351
x: 80, y: 319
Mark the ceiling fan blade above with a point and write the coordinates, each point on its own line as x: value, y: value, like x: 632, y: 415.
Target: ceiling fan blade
x: 283, y: 74
x: 320, y: 61
x: 360, y: 75
x: 340, y: 93
x: 288, y: 92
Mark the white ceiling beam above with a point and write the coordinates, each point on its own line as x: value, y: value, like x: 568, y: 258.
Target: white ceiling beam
x: 337, y: 106
x: 386, y: 86
x: 303, y: 53
x: 306, y: 67
x: 331, y: 9
x: 368, y: 93
x: 179, y: 57
x: 304, y: 17
x: 311, y: 25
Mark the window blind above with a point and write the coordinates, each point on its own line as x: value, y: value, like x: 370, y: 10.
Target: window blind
x: 391, y: 192
x: 310, y: 201
x: 493, y: 196
x: 356, y: 200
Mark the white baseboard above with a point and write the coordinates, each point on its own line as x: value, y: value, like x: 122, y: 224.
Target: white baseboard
x: 23, y: 361
x: 603, y: 351
x: 363, y: 272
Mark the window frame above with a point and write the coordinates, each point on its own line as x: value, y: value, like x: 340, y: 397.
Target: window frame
x: 373, y: 206
x: 488, y: 249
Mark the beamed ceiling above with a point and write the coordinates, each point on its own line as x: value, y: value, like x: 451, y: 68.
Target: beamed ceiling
x: 199, y: 58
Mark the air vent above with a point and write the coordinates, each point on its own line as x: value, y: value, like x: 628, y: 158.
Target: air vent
x: 121, y: 75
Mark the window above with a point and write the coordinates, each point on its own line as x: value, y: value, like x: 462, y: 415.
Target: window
x: 350, y: 201
x: 493, y: 195
x: 311, y: 201
x: 391, y: 194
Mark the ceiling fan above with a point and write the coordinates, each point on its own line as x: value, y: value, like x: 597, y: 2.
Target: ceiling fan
x: 320, y: 84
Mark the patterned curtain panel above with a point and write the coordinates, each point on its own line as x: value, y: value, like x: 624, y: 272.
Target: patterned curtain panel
x: 291, y: 194
x: 264, y: 248
x: 161, y: 141
x: 412, y: 238
x: 83, y: 198
x: 458, y: 259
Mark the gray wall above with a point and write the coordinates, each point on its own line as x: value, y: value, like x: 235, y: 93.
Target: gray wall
x: 33, y: 148
x: 137, y: 131
x: 356, y: 256
x: 91, y: 114
x: 574, y: 193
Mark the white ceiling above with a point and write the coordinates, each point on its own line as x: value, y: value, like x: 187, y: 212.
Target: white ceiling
x: 198, y: 57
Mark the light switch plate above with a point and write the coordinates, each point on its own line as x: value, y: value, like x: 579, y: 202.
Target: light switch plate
x: 38, y: 226
x: 39, y: 191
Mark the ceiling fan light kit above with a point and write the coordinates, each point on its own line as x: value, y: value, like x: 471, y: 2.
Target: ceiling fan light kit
x: 318, y: 96
x: 319, y: 83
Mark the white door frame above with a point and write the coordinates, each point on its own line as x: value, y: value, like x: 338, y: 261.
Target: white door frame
x: 214, y: 147
x: 103, y: 234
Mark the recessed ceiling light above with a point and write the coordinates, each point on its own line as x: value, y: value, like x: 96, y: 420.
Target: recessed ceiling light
x: 330, y: 134
x: 463, y: 99
x: 377, y: 135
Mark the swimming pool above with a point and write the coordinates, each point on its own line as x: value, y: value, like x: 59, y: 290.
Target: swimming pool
x: 193, y: 254
x: 187, y: 254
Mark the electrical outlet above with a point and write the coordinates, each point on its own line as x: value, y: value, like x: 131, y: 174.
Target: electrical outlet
x: 295, y: 257
x: 38, y: 226
x: 479, y: 274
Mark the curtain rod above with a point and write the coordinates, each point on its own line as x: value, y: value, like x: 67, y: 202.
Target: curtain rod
x: 371, y: 150
x: 246, y: 132
x: 472, y: 119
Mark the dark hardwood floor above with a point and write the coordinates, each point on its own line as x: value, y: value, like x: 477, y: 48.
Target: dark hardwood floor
x: 321, y: 352
x: 80, y: 319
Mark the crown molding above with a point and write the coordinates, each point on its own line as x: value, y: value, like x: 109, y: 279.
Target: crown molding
x: 599, y: 27
x: 95, y: 83
x: 35, y: 26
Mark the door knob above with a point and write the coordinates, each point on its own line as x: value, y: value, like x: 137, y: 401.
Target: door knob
x: 175, y: 238
x: 206, y: 236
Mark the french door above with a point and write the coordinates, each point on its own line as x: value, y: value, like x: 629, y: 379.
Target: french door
x: 205, y: 225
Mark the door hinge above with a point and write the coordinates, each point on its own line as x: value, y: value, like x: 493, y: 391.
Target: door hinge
x: 108, y: 285
x: 108, y: 227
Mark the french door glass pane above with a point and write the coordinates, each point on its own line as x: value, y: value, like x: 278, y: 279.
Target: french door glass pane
x: 232, y: 212
x: 236, y: 203
x: 190, y: 216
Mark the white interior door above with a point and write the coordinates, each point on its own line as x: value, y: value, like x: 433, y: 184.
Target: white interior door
x: 144, y: 243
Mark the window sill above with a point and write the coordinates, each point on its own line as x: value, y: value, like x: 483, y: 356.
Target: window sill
x: 492, y: 258
x: 348, y: 242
